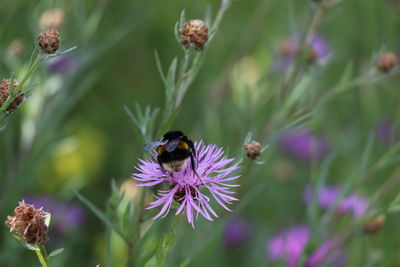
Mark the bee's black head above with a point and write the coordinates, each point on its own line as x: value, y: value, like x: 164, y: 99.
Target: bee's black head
x: 171, y: 135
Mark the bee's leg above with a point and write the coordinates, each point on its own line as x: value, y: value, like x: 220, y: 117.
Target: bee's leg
x: 194, y: 168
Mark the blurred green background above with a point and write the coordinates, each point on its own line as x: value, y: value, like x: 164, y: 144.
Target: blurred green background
x: 93, y: 140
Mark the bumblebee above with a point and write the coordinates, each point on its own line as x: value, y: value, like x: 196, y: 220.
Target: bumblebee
x: 174, y: 151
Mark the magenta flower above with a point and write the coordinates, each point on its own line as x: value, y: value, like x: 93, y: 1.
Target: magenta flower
x: 303, y: 145
x: 290, y: 244
x: 327, y: 254
x: 237, y: 232
x: 328, y: 195
x: 184, y: 186
x: 290, y: 46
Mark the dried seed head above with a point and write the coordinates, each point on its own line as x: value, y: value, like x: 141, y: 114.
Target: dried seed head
x: 5, y: 87
x: 53, y: 18
x: 28, y: 223
x: 49, y: 41
x: 386, y: 62
x: 375, y: 225
x: 194, y: 32
x: 253, y: 149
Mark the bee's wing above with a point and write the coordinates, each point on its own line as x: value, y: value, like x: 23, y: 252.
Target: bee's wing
x: 171, y: 145
x: 154, y: 144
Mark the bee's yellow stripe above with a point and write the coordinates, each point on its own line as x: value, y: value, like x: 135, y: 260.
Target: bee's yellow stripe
x: 183, y: 145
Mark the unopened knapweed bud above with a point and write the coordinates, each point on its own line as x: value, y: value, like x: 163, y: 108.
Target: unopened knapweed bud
x: 253, y: 149
x: 194, y: 32
x: 375, y: 225
x: 312, y: 56
x: 28, y: 223
x: 5, y: 87
x: 386, y: 62
x: 15, y: 48
x: 49, y: 41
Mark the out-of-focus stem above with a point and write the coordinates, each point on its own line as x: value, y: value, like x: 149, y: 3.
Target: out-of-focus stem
x: 42, y: 255
x: 292, y: 75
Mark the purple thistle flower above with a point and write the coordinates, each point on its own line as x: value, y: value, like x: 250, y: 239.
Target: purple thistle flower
x: 185, y: 186
x: 303, y: 145
x: 65, y: 217
x: 327, y: 254
x: 328, y: 195
x: 290, y: 46
x: 62, y: 64
x: 290, y: 244
x: 237, y: 232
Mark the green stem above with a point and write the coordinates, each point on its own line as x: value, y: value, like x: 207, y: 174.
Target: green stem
x: 42, y: 255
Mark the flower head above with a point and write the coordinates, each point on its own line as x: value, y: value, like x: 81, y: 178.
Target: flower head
x: 185, y: 187
x: 28, y: 223
x: 328, y: 196
x: 65, y: 217
x: 5, y: 88
x: 290, y: 244
x: 303, y: 145
x: 387, y: 61
x: 49, y: 41
x: 253, y: 149
x: 237, y: 232
x: 194, y: 32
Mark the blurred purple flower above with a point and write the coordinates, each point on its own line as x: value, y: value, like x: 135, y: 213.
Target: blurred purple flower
x: 185, y: 186
x: 327, y: 254
x: 290, y: 244
x: 62, y: 64
x: 237, y: 232
x: 65, y: 217
x: 320, y: 47
x: 303, y: 145
x: 289, y: 47
x: 386, y: 132
x: 328, y: 195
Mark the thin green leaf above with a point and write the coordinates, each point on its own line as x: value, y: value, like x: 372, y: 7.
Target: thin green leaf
x: 159, y: 67
x: 101, y: 215
x: 56, y: 252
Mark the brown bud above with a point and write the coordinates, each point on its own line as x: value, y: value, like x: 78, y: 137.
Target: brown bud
x: 49, y: 41
x: 375, y: 225
x: 253, y: 149
x: 28, y: 223
x: 5, y: 87
x: 194, y: 32
x: 312, y: 56
x: 386, y: 61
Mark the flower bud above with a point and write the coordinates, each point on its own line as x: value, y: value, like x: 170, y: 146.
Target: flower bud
x: 253, y: 149
x: 386, y: 62
x: 312, y: 56
x: 15, y: 48
x: 5, y: 87
x: 194, y: 32
x: 375, y: 225
x: 28, y: 223
x: 49, y: 41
